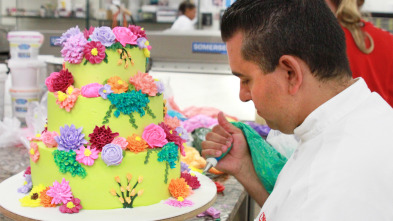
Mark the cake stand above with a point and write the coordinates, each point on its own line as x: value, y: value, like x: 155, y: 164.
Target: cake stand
x: 203, y: 198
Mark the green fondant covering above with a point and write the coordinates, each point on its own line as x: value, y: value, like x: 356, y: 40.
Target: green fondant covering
x: 94, y: 189
x: 90, y: 112
x: 98, y: 73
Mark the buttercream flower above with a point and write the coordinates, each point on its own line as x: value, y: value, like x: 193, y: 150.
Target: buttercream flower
x: 121, y: 141
x: 146, y: 52
x: 86, y: 155
x: 64, y: 37
x: 105, y: 91
x: 141, y: 42
x: 112, y: 154
x: 138, y: 31
x: 73, y: 49
x: 101, y: 136
x: 136, y: 143
x: 178, y: 188
x: 70, y: 138
x: 129, y: 102
x: 154, y: 135
x: 184, y: 167
x: 124, y: 36
x: 46, y: 201
x: 192, y: 181
x: 104, y: 35
x: 61, y: 192
x: 59, y: 81
x: 117, y: 85
x: 72, y: 206
x: 182, y: 133
x: 160, y: 87
x: 198, y: 121
x: 172, y: 122
x: 34, y: 152
x: 49, y: 138
x: 67, y: 100
x: 27, y: 171
x: 26, y: 186
x: 91, y: 90
x: 145, y: 83
x: 169, y: 153
x: 172, y: 136
x: 94, y: 52
x: 33, y: 199
x: 87, y: 33
x: 180, y: 202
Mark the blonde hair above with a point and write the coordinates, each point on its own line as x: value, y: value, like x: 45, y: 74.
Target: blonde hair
x: 349, y: 16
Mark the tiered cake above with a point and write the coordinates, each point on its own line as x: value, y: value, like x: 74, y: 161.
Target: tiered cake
x: 108, y: 143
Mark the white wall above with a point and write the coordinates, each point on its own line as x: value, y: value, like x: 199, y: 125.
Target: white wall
x: 378, y: 6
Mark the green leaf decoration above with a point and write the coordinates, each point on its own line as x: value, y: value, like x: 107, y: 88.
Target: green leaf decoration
x: 106, y: 58
x: 108, y: 114
x: 66, y: 161
x: 105, y: 82
x: 85, y: 62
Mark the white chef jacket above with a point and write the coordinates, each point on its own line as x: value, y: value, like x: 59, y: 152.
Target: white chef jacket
x: 343, y: 166
x: 183, y: 23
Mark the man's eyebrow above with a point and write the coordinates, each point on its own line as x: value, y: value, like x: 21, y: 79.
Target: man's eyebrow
x: 237, y: 74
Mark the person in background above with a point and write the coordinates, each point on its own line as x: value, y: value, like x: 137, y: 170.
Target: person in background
x: 186, y: 21
x: 369, y: 49
x: 290, y: 57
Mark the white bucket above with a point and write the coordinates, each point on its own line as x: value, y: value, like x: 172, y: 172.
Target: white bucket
x: 25, y: 73
x: 24, y: 44
x: 3, y: 78
x: 20, y: 100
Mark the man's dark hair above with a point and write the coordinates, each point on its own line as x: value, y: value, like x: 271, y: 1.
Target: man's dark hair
x: 186, y: 5
x: 303, y: 28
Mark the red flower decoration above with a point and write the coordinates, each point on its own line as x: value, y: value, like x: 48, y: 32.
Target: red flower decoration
x: 192, y: 181
x: 172, y: 136
x: 137, y: 31
x: 87, y: 33
x: 59, y: 81
x: 94, y: 52
x: 101, y: 137
x: 220, y: 187
x: 73, y: 206
x: 27, y: 171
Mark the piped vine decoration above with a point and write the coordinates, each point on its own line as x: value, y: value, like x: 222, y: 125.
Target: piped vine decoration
x: 123, y: 54
x: 168, y: 153
x: 149, y: 152
x: 108, y: 114
x: 128, y: 193
x: 66, y: 161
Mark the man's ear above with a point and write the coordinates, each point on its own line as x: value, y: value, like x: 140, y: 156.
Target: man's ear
x: 293, y: 72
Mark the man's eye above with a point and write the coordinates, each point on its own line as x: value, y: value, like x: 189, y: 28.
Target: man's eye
x: 244, y: 81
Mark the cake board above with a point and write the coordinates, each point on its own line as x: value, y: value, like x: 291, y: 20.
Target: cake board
x: 203, y: 198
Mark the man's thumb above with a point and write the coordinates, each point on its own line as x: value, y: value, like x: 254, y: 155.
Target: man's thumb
x: 223, y: 122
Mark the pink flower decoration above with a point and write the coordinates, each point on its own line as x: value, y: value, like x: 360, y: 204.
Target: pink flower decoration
x: 138, y: 31
x: 73, y: 48
x: 179, y: 204
x: 121, y: 141
x: 94, y: 52
x: 86, y: 155
x: 34, y: 152
x: 61, y: 192
x: 154, y: 135
x: 145, y: 83
x: 124, y: 36
x: 73, y: 206
x: 91, y: 90
x: 172, y: 122
x: 59, y: 81
x: 49, y: 138
x: 87, y: 33
x: 67, y: 100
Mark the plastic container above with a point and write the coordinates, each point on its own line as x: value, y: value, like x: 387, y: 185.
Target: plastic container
x: 20, y: 100
x: 3, y: 78
x: 25, y: 73
x: 25, y: 44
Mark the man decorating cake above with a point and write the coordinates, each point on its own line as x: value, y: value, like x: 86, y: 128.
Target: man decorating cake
x: 290, y: 56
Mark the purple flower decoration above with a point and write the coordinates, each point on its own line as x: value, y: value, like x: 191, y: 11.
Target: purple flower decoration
x: 61, y: 192
x: 70, y: 32
x: 141, y: 42
x: 160, y: 87
x: 27, y: 186
x: 70, y: 138
x: 73, y: 48
x: 105, y: 91
x: 104, y: 35
x: 112, y: 154
x: 184, y: 167
x: 182, y: 133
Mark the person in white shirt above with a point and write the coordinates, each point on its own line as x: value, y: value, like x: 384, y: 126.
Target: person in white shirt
x: 186, y: 21
x: 290, y: 56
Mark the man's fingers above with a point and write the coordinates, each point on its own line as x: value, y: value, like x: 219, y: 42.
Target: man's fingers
x: 211, y: 149
x: 218, y: 138
x: 223, y: 122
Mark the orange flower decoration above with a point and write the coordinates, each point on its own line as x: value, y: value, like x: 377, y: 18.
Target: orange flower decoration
x: 136, y: 143
x: 46, y: 201
x: 179, y: 188
x: 34, y: 152
x: 118, y: 86
x: 172, y: 122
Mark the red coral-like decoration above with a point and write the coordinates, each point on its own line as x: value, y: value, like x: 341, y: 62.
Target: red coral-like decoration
x: 172, y: 136
x: 138, y: 31
x: 87, y: 33
x: 101, y: 137
x: 27, y: 171
x: 220, y: 187
x: 192, y: 181
x: 61, y: 81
